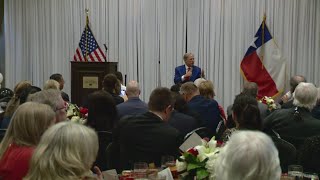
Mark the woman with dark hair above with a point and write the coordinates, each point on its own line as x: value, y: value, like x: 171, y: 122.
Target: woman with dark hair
x: 102, y: 114
x: 246, y: 115
x: 112, y: 85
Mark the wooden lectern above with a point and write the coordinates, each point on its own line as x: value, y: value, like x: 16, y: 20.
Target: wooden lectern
x: 86, y: 77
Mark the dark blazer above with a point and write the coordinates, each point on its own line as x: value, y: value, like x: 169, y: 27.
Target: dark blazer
x: 263, y: 108
x: 287, y: 105
x: 182, y: 122
x: 316, y: 111
x: 131, y: 107
x: 292, y: 126
x: 145, y: 138
x: 181, y: 70
x: 207, y: 110
x: 117, y: 99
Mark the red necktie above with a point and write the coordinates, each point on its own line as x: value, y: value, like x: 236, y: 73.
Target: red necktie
x: 187, y: 78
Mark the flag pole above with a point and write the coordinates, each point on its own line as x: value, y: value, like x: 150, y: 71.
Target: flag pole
x: 86, y: 29
x: 262, y: 48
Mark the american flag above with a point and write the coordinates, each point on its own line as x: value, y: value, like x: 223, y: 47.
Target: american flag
x: 88, y: 49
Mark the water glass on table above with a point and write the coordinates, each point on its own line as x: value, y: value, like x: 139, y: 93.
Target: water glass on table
x: 295, y: 171
x: 169, y: 162
x: 310, y: 176
x: 140, y: 170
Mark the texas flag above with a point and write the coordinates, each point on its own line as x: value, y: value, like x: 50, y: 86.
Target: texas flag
x: 264, y: 64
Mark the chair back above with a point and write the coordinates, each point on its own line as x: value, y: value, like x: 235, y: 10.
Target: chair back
x: 287, y: 152
x: 105, y: 138
x: 203, y: 132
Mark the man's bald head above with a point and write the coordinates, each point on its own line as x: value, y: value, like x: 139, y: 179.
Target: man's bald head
x: 133, y: 89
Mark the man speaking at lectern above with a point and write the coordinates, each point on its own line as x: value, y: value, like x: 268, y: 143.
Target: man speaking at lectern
x: 188, y: 71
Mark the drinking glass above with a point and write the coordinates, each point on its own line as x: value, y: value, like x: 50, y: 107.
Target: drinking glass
x: 296, y: 171
x: 140, y: 170
x: 310, y: 176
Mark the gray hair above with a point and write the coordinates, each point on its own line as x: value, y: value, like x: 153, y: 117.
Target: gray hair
x: 248, y: 155
x: 198, y: 81
x: 133, y: 89
x: 305, y: 95
x: 51, y: 84
x: 50, y: 97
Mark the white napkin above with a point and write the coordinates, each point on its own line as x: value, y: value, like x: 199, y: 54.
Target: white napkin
x: 167, y: 173
x: 193, y: 141
x: 110, y: 175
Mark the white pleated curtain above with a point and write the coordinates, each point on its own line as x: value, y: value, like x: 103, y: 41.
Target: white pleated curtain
x: 149, y: 37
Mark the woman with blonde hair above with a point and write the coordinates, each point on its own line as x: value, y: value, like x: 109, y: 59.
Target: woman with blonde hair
x: 67, y: 150
x: 51, y: 84
x: 24, y: 132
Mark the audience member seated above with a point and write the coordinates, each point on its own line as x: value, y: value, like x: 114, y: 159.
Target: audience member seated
x: 251, y: 89
x: 182, y: 122
x: 112, y: 85
x: 248, y: 155
x: 175, y: 88
x: 14, y: 102
x: 52, y: 98
x: 310, y: 155
x: 134, y: 105
x: 246, y: 115
x: 26, y: 92
x: 58, y: 77
x: 102, y: 115
x: 206, y: 90
x: 5, y: 96
x: 67, y: 150
x: 316, y: 110
x: 148, y: 137
x: 51, y: 84
x: 296, y: 124
x: 206, y: 109
x: 287, y: 100
x: 22, y: 136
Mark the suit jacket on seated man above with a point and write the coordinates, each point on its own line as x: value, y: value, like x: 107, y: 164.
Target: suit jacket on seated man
x: 206, y: 109
x: 296, y: 124
x: 188, y: 71
x: 148, y: 137
x: 133, y: 105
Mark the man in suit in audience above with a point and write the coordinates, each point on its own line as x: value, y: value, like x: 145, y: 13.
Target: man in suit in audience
x: 60, y: 80
x: 206, y: 109
x: 148, y: 137
x: 181, y: 120
x: 296, y: 124
x: 133, y: 105
x: 251, y: 89
x: 287, y: 99
x: 188, y: 71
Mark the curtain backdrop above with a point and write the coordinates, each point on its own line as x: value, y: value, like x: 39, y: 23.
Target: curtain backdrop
x: 149, y: 37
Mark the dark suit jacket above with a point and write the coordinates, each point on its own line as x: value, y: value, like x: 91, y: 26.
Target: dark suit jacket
x: 291, y: 129
x: 287, y: 105
x: 131, y: 107
x: 183, y: 123
x: 145, y: 138
x: 316, y: 111
x: 207, y: 110
x: 181, y: 70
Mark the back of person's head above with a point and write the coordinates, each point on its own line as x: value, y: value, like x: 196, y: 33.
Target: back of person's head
x: 189, y: 88
x: 15, y: 100
x: 179, y: 103
x: 111, y: 84
x: 248, y: 155
x: 102, y: 111
x: 67, y: 150
x: 27, y: 125
x: 58, y: 77
x: 310, y: 154
x: 175, y: 88
x: 119, y: 76
x: 52, y: 98
x: 305, y: 95
x: 198, y: 81
x: 160, y: 99
x: 251, y: 89
x: 206, y: 89
x: 51, y: 84
x: 295, y: 80
x: 26, y: 92
x: 246, y: 112
x: 133, y: 89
